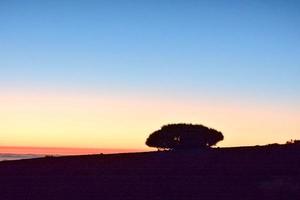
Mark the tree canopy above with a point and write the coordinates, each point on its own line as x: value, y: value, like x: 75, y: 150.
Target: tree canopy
x: 184, y: 136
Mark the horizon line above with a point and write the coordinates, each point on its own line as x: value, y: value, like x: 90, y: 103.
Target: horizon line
x: 64, y: 150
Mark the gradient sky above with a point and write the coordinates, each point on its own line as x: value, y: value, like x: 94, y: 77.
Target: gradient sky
x: 105, y: 74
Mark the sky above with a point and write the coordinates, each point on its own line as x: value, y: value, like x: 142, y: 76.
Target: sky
x: 106, y: 74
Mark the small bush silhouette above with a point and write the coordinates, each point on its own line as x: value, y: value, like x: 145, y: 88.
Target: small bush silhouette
x: 184, y: 136
x: 293, y: 142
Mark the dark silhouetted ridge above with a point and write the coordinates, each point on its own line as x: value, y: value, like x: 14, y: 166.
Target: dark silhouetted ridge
x: 268, y: 172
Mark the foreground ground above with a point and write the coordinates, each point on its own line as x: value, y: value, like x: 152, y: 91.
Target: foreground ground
x: 231, y: 173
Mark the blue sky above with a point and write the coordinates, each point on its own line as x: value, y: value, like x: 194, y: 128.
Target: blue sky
x: 223, y: 48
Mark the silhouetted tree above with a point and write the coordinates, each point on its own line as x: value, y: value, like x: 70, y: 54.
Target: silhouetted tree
x: 184, y: 136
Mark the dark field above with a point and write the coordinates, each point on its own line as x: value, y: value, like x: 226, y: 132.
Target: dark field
x: 224, y: 173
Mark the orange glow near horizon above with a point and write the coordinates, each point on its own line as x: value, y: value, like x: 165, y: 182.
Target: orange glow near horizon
x: 93, y: 121
x: 63, y: 151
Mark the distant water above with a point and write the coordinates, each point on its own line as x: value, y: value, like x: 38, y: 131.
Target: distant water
x: 7, y: 156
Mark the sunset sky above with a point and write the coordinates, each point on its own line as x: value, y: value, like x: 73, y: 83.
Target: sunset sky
x: 105, y: 74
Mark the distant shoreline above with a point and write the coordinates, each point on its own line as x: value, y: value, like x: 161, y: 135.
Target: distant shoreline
x: 11, y: 156
x: 62, y: 150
